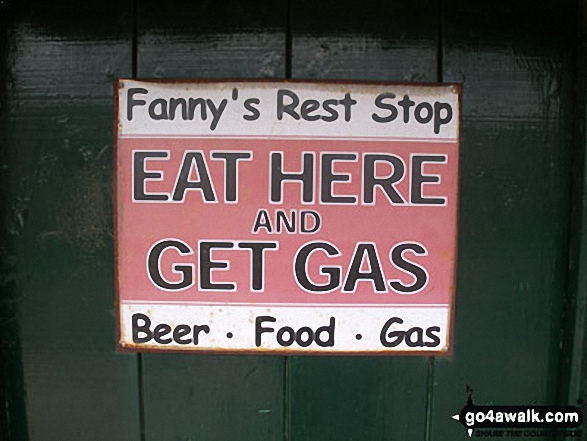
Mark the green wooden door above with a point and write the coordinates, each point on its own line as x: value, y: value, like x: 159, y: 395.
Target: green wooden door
x: 521, y: 278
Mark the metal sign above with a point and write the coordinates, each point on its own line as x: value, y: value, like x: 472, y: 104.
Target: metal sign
x: 286, y: 217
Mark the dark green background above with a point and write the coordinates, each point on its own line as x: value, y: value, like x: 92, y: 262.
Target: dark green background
x: 522, y: 276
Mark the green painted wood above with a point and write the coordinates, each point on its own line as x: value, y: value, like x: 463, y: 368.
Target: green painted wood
x: 13, y: 423
x: 515, y: 60
x: 211, y: 39
x: 376, y: 40
x: 203, y: 397
x: 575, y: 356
x: 59, y: 60
x: 361, y: 398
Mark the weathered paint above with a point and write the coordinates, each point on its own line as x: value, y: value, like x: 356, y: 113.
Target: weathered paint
x: 58, y: 64
x: 516, y: 64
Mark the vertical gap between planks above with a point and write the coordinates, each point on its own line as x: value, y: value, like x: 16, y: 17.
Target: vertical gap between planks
x: 429, y: 397
x: 286, y: 399
x: 288, y: 42
x: 439, y: 47
x: 134, y: 73
x: 287, y: 359
x: 4, y: 409
x: 135, y: 5
x: 431, y: 360
x: 141, y: 397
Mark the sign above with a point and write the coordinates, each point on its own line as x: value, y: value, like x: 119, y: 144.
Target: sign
x: 286, y: 217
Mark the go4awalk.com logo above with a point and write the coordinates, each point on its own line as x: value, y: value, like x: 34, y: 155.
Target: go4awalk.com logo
x: 520, y: 421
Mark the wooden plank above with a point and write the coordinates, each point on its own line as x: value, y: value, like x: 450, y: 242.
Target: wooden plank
x: 377, y: 40
x: 57, y: 277
x: 12, y: 400
x: 361, y: 398
x: 516, y: 64
x: 201, y: 396
x: 211, y: 39
x: 212, y: 397
x: 575, y: 344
